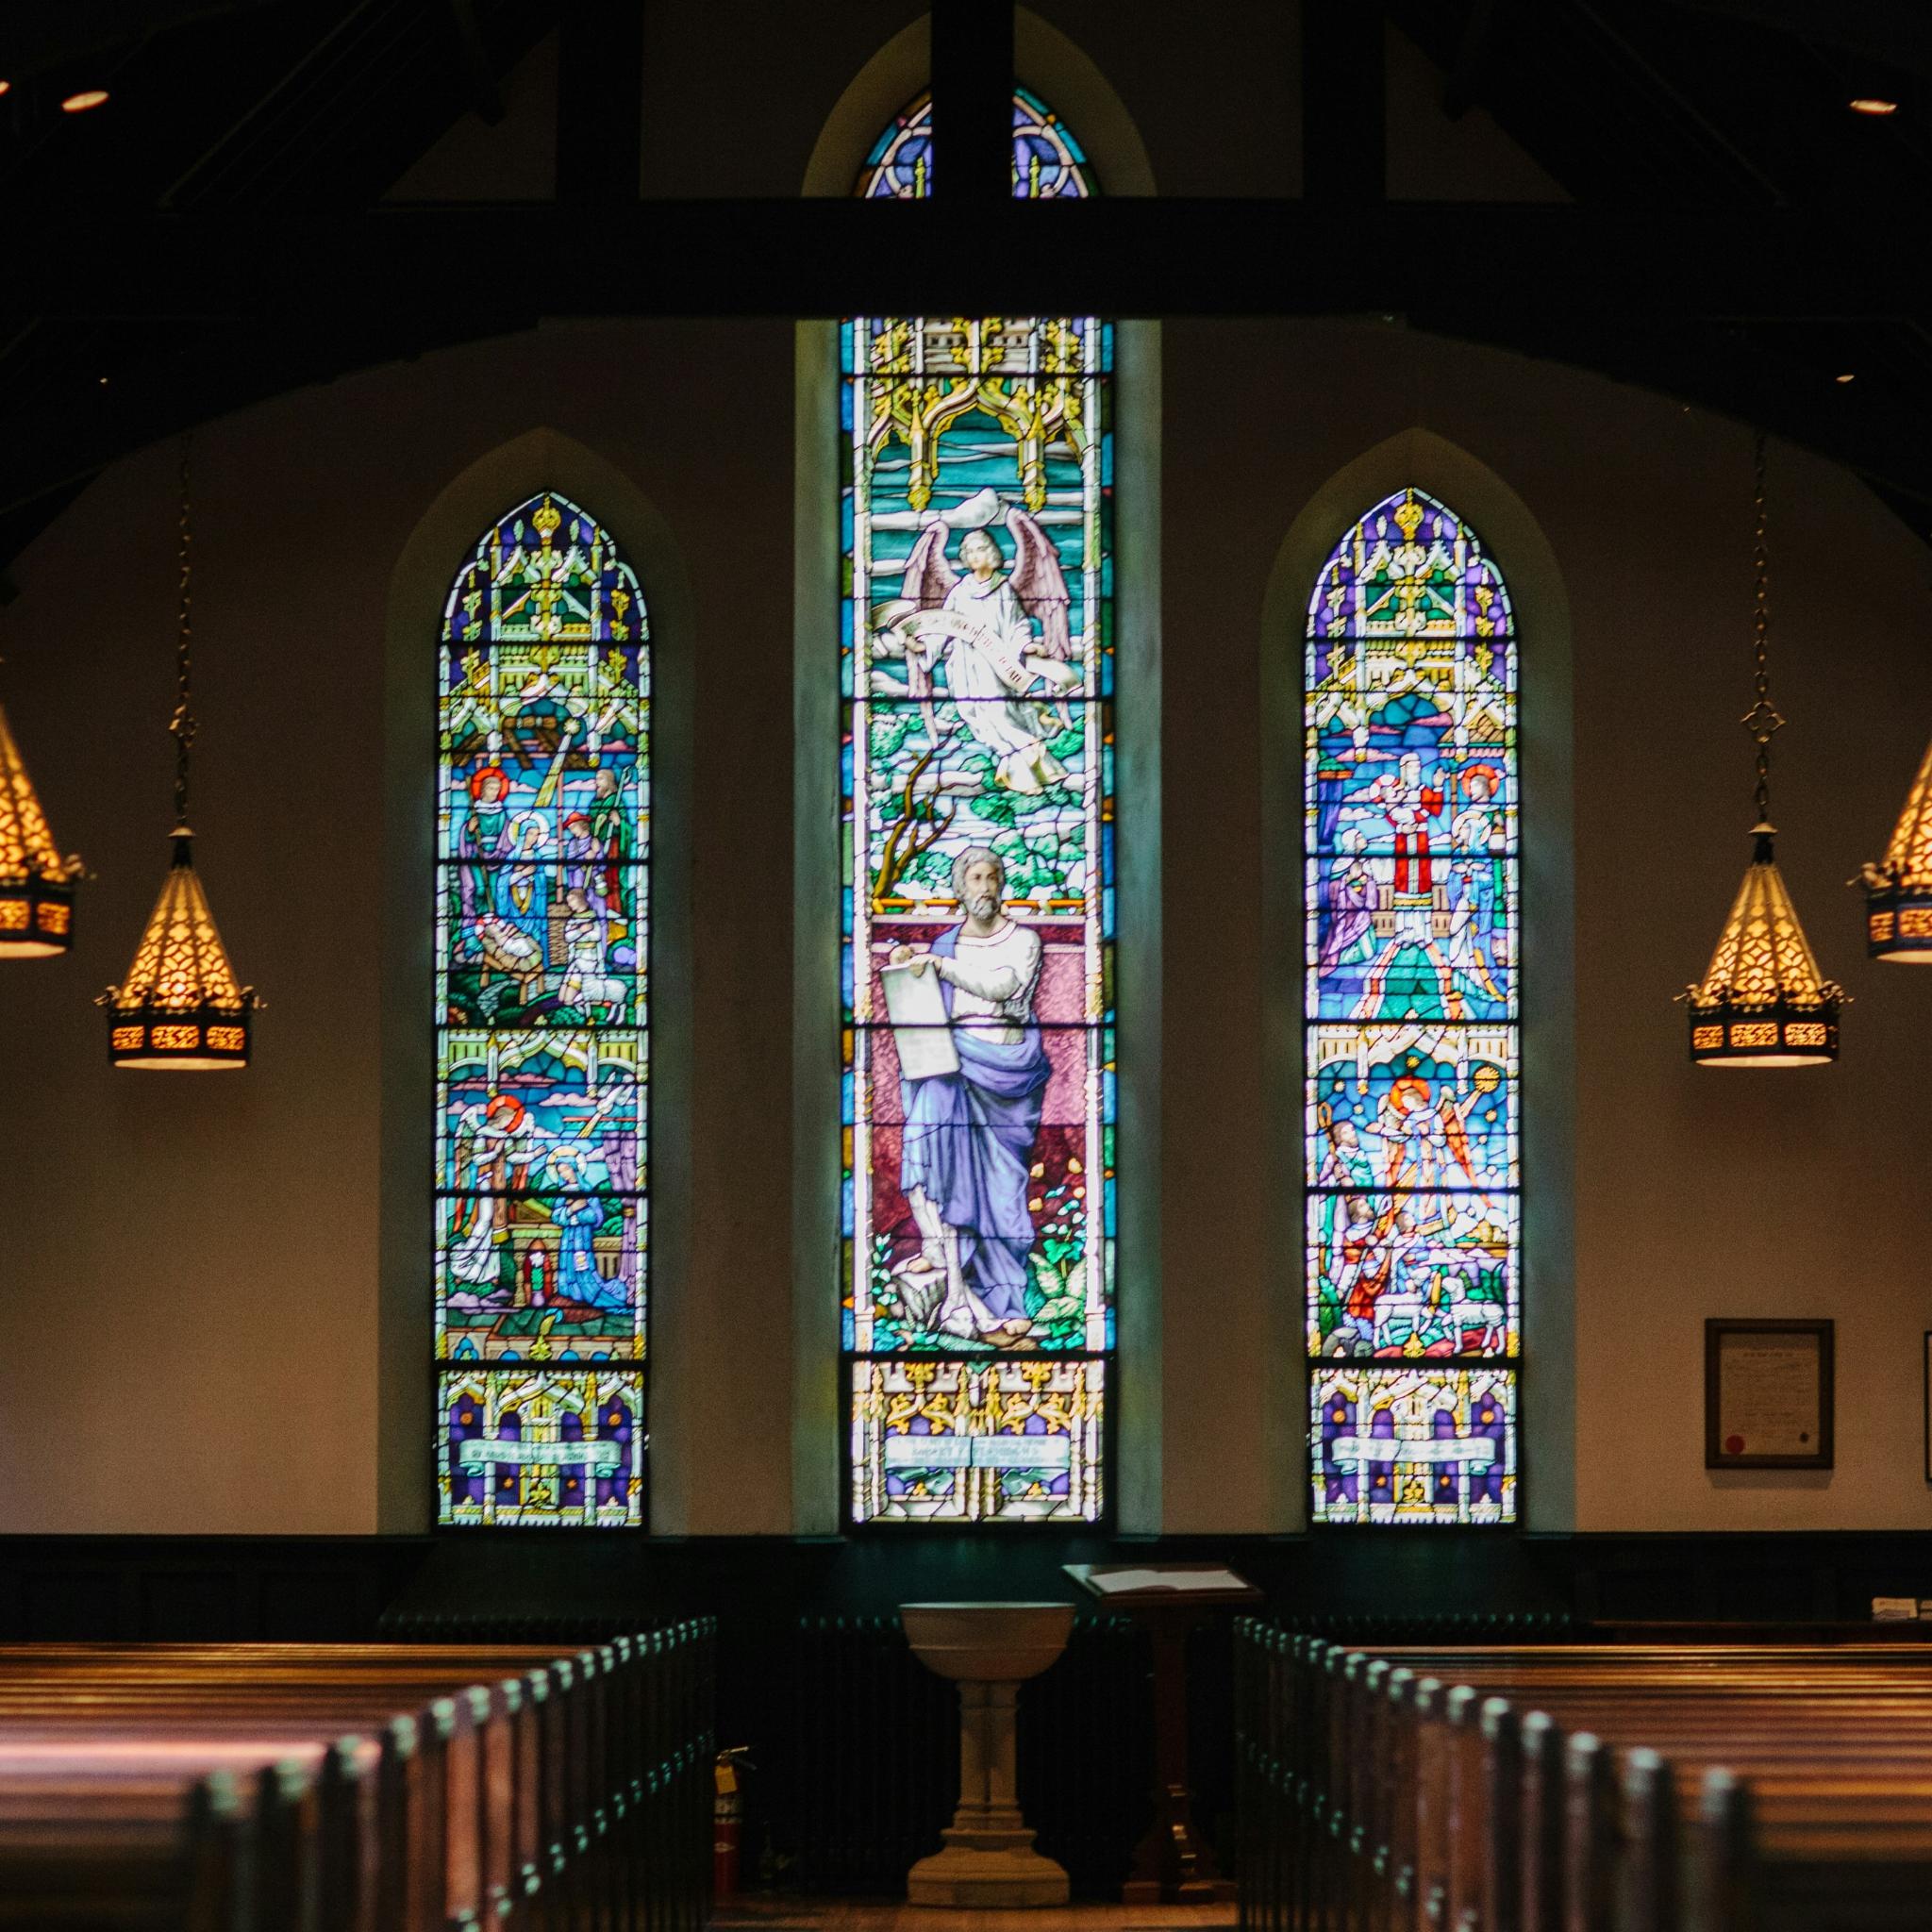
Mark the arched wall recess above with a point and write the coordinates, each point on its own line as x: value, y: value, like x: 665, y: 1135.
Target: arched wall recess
x: 826, y: 1490
x: 1045, y: 60
x: 520, y: 471
x: 1433, y: 467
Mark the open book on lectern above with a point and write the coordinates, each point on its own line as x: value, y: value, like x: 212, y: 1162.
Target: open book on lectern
x: 922, y: 1029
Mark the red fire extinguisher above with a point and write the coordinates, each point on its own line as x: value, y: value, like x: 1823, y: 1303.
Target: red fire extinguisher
x: 727, y: 1819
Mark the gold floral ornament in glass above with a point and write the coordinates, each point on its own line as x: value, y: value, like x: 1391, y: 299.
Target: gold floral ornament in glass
x: 1898, y: 890
x: 1762, y: 1001
x: 35, y: 883
x: 180, y: 1005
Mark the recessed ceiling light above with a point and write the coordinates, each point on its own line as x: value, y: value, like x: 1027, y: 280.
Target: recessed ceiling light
x: 1872, y: 104
x: 1849, y: 376
x: 5, y: 85
x: 79, y: 104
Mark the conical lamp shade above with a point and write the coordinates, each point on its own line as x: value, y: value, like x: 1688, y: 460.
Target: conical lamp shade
x: 35, y: 883
x: 1898, y: 890
x: 1762, y: 1001
x: 181, y: 1004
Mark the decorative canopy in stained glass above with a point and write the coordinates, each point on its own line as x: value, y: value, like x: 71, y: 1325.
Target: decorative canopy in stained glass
x: 542, y: 954
x: 1412, y: 1129
x: 1048, y: 161
x: 977, y: 678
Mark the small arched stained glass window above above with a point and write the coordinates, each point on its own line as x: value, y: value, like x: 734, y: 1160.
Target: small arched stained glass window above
x: 541, y: 951
x: 1048, y: 161
x: 1411, y: 1010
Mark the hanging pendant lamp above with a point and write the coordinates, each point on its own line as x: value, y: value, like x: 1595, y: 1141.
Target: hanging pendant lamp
x: 1898, y: 890
x: 180, y: 1005
x: 1762, y: 1001
x: 35, y: 883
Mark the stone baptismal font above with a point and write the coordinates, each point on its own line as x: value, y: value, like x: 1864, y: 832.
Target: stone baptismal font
x: 989, y: 1650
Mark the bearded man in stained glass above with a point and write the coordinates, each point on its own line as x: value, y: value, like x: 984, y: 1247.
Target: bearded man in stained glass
x: 610, y: 828
x: 969, y: 1133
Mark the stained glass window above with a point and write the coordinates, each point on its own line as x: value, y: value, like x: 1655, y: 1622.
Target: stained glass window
x: 1412, y: 1087
x: 978, y: 1025
x: 1048, y: 161
x: 541, y: 951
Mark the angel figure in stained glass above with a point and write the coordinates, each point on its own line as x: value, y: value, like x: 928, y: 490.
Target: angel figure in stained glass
x: 1006, y: 679
x: 490, y: 1157
x: 1425, y: 1136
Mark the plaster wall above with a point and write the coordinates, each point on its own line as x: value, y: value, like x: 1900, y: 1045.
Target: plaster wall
x: 199, y: 1282
x: 190, y: 1279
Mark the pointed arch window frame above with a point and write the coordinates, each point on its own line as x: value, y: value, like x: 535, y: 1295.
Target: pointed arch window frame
x: 577, y: 635
x: 1469, y: 1471
x: 1085, y: 1415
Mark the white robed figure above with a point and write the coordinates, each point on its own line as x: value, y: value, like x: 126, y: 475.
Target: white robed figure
x: 979, y: 624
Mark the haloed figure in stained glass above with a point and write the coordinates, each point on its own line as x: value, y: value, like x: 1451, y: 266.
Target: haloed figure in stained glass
x: 970, y: 1130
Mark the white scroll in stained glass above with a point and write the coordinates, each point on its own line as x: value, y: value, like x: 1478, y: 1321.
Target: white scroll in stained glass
x: 1411, y: 1084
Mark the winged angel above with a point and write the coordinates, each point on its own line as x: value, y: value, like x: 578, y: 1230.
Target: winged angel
x: 978, y: 622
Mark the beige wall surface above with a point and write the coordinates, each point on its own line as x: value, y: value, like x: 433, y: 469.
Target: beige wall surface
x: 193, y: 1271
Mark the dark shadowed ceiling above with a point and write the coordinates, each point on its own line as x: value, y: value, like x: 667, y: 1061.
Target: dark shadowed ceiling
x: 1735, y: 234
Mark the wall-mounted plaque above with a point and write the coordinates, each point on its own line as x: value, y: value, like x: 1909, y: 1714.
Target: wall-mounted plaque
x: 1928, y: 1404
x: 1767, y: 1394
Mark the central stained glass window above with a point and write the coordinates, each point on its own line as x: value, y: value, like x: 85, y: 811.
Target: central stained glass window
x: 541, y: 949
x: 977, y: 779
x: 1412, y: 1010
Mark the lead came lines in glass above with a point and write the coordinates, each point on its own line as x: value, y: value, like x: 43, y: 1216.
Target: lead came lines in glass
x: 1413, y: 1131
x: 542, y: 954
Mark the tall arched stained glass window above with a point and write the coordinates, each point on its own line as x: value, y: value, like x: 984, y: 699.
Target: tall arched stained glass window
x: 977, y: 678
x: 1411, y: 1020
x: 541, y: 950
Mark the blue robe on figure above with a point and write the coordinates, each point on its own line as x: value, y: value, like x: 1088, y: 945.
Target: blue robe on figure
x: 969, y: 1144
x: 577, y: 1278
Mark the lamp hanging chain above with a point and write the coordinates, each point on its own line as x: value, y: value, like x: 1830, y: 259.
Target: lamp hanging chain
x: 182, y: 724
x: 1762, y: 720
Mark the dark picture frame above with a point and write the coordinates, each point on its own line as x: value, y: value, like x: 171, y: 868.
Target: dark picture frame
x: 1761, y: 1402
x: 1928, y: 1404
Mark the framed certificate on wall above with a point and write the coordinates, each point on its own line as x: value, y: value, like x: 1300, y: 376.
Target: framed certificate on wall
x: 1928, y: 1404
x: 1767, y: 1394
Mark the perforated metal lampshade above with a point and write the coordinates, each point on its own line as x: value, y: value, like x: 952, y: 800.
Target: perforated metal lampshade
x: 1762, y: 1001
x: 35, y: 883
x: 1898, y: 890
x: 180, y: 1005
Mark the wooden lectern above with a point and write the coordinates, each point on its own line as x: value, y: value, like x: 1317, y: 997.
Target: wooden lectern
x: 1169, y: 1863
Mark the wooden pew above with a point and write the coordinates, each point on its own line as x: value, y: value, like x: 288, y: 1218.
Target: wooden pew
x: 1620, y: 1788
x: 343, y: 1788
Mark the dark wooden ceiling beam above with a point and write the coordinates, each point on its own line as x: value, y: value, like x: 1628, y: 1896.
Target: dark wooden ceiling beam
x: 486, y: 89
x: 1119, y: 257
x: 1344, y: 102
x: 973, y: 99
x: 600, y: 62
